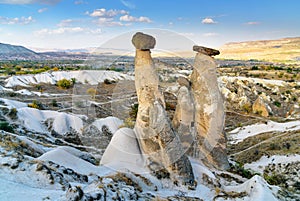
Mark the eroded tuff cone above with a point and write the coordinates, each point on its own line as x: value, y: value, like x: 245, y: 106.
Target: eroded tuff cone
x: 143, y: 41
x: 184, y: 117
x: 259, y: 106
x: 206, y: 50
x: 159, y: 143
x: 209, y: 112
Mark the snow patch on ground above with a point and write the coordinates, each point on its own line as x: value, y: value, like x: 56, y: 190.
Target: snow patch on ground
x: 21, y: 192
x: 264, y: 161
x: 264, y: 82
x: 256, y: 188
x: 123, y: 152
x: 68, y: 160
x: 113, y: 123
x: 239, y: 134
x: 12, y: 104
x: 91, y: 76
x: 33, y: 119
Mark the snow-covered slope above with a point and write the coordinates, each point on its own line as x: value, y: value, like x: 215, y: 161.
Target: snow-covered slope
x: 265, y: 82
x: 239, y: 134
x: 256, y: 188
x: 68, y: 160
x: 264, y: 161
x: 123, y: 151
x: 87, y: 76
x: 35, y: 120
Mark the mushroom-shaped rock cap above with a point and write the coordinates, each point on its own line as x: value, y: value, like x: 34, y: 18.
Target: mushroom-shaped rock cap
x: 143, y: 41
x: 206, y: 50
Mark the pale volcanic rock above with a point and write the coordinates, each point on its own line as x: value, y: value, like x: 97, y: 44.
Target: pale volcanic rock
x: 159, y: 143
x: 183, y: 119
x: 182, y: 81
x: 209, y: 112
x: 260, y: 107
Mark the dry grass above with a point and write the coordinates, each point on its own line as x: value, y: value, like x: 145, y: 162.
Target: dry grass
x: 253, y: 148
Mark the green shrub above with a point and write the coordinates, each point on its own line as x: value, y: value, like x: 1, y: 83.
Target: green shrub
x: 277, y: 104
x: 275, y: 179
x: 134, y: 110
x: 128, y: 123
x: 35, y: 104
x: 247, y: 107
x: 73, y: 80
x: 64, y: 83
x: 92, y: 92
x: 6, y: 126
x: 54, y: 103
x: 13, y: 113
x: 239, y: 169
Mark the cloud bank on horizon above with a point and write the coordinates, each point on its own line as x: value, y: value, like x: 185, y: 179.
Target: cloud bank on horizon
x: 86, y: 23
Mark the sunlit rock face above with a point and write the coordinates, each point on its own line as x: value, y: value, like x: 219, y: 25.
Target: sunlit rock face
x: 209, y: 111
x: 260, y: 107
x: 199, y: 116
x: 159, y: 143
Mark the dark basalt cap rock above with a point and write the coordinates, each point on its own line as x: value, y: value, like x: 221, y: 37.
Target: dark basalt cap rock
x: 143, y: 41
x: 206, y: 50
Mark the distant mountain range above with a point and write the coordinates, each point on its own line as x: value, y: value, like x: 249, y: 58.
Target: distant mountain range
x: 16, y: 52
x: 286, y: 49
x: 281, y: 50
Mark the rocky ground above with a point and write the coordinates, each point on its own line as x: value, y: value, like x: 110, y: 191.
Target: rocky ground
x: 39, y: 146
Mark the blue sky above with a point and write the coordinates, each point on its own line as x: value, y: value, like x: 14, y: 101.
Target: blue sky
x: 69, y: 24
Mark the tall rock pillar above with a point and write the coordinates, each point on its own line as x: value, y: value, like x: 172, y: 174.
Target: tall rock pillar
x: 209, y: 109
x: 159, y: 143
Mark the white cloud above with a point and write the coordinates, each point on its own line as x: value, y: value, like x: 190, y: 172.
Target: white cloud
x: 108, y: 17
x: 128, y: 18
x: 187, y: 34
x: 42, y: 10
x: 208, y: 20
x: 252, y: 23
x: 59, y: 31
x: 102, y: 12
x: 109, y: 22
x: 16, y: 20
x: 66, y: 30
x: 210, y: 34
x: 65, y: 23
x: 79, y: 2
x: 50, y: 2
x: 128, y: 4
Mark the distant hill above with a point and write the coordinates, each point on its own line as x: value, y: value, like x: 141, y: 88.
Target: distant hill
x: 8, y: 51
x: 281, y: 50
